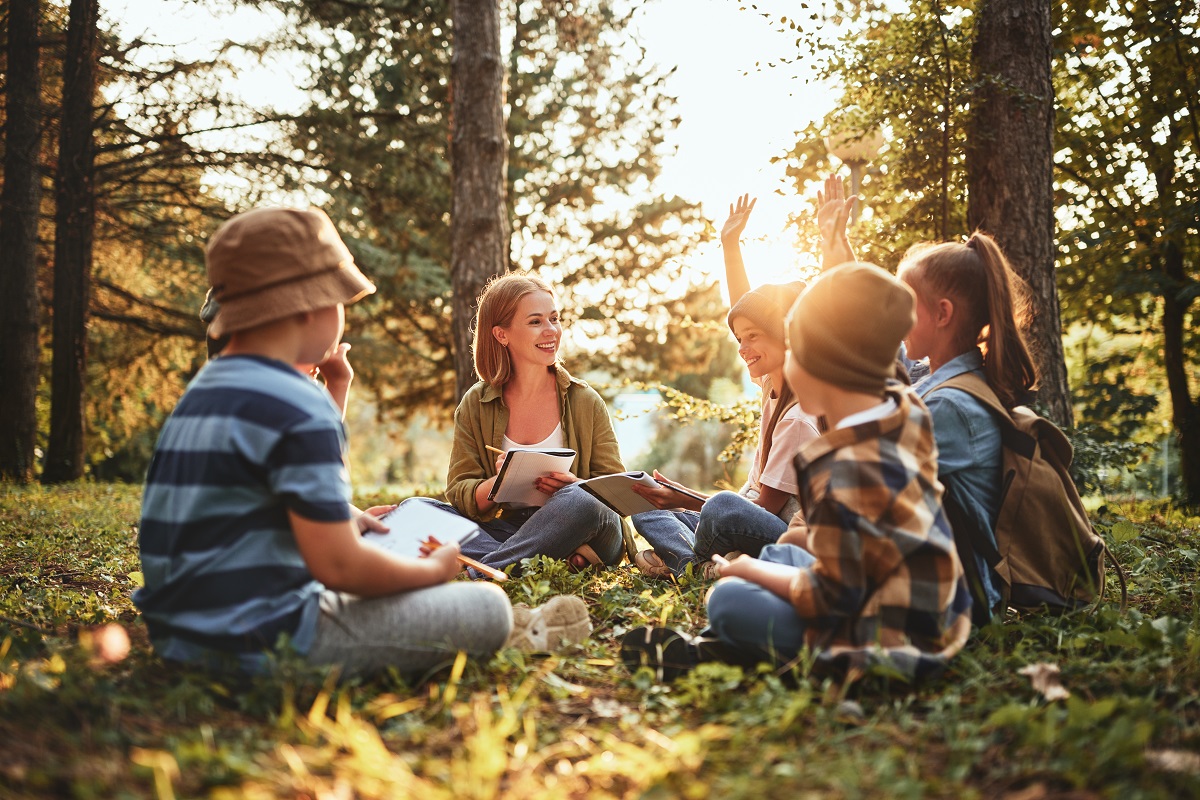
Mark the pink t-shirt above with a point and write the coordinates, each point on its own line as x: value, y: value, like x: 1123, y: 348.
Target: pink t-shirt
x: 793, y: 430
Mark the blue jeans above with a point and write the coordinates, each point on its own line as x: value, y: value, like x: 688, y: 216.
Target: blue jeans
x: 570, y: 518
x: 726, y: 522
x: 755, y: 620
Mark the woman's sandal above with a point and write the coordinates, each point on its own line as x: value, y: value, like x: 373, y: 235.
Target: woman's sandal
x: 583, y: 557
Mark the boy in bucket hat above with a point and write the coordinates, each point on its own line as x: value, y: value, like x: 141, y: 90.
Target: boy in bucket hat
x: 247, y: 537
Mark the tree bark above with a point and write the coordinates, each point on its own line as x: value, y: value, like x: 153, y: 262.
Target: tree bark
x: 479, y: 225
x: 1010, y: 165
x: 19, y: 212
x: 1166, y: 243
x: 1185, y: 409
x: 74, y: 221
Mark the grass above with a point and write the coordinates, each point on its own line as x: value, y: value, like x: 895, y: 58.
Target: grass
x: 73, y: 724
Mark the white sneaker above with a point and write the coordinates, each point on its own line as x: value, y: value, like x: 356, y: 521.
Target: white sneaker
x: 559, y: 622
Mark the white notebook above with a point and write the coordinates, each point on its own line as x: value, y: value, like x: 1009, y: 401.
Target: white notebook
x: 412, y: 524
x: 521, y: 467
x: 616, y: 491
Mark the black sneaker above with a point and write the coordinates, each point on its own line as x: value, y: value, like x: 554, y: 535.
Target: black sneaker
x: 668, y: 652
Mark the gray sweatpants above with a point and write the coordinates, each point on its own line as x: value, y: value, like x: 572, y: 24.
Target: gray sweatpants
x: 415, y: 631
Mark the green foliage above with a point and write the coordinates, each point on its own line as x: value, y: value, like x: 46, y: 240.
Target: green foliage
x: 1127, y: 152
x: 907, y: 73
x: 575, y: 723
x: 1096, y: 454
x: 586, y: 124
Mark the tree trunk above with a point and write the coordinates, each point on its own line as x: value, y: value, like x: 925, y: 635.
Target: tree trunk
x: 73, y: 222
x: 479, y: 223
x: 1010, y: 170
x: 19, y: 207
x: 1167, y: 258
x: 1185, y: 410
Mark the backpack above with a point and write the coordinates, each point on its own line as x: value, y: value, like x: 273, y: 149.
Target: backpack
x: 1046, y: 552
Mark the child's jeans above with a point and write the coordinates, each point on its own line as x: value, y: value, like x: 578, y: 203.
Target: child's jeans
x: 753, y: 619
x: 727, y: 522
x: 415, y: 631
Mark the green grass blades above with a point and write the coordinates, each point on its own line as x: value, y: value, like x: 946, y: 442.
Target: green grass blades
x: 87, y: 710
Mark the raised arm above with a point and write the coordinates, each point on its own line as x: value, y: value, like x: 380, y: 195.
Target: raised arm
x: 833, y: 212
x: 338, y: 375
x: 731, y: 247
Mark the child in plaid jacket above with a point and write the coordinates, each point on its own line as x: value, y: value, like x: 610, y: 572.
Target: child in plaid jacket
x: 869, y: 573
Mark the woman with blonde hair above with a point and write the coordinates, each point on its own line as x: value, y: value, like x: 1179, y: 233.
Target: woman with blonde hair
x: 526, y: 398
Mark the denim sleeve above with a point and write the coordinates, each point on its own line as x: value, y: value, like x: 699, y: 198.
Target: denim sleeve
x: 964, y: 430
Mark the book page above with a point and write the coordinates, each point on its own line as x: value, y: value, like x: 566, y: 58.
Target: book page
x: 514, y: 485
x: 616, y: 492
x: 412, y: 523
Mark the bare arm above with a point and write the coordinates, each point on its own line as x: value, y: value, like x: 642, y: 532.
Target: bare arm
x: 664, y: 497
x: 775, y: 578
x: 338, y: 557
x: 338, y: 375
x: 731, y: 234
x: 771, y: 499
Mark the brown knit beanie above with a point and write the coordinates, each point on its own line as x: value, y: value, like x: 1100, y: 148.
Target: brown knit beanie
x: 766, y: 307
x: 847, y: 327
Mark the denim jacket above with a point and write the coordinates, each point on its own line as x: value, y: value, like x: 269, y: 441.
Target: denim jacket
x: 968, y: 441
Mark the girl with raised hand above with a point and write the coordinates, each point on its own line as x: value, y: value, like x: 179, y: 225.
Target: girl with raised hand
x: 689, y: 531
x: 525, y: 398
x: 967, y: 324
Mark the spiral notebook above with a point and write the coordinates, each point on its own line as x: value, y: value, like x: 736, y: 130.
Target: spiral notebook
x: 521, y: 467
x: 412, y: 523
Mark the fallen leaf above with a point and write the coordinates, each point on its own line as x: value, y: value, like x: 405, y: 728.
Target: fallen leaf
x: 1044, y: 678
x: 1182, y: 761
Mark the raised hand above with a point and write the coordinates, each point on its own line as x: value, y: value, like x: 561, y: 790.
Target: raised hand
x: 739, y: 215
x: 833, y: 212
x: 336, y: 369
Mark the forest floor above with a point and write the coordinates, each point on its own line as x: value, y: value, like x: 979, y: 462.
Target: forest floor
x: 77, y: 720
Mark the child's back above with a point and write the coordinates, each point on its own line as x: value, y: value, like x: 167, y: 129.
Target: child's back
x: 248, y: 535
x: 886, y: 574
x: 250, y: 439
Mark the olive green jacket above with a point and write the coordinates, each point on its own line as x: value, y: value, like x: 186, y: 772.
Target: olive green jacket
x: 482, y: 417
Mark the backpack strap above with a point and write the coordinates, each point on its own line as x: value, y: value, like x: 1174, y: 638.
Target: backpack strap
x: 1120, y: 578
x: 978, y: 388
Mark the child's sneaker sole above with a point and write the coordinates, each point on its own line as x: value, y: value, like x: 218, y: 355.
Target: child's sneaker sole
x: 669, y: 653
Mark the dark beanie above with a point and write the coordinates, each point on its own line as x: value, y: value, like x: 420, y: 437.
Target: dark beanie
x: 847, y: 327
x: 766, y: 307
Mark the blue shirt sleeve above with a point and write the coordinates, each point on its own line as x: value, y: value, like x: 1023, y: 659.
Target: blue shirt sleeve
x: 966, y: 435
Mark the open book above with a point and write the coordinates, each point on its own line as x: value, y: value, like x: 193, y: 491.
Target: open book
x: 616, y: 491
x: 521, y: 467
x: 412, y: 523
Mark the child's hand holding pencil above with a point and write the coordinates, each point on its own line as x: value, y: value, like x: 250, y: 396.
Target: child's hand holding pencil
x: 431, y: 544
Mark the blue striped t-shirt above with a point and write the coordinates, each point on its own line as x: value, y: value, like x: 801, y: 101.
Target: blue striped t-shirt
x: 250, y: 440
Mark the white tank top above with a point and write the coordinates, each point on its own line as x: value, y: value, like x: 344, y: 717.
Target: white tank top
x: 552, y: 442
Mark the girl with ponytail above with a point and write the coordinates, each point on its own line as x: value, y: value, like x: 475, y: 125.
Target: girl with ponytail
x: 967, y: 322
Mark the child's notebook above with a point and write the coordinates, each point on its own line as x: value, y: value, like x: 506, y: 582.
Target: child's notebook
x: 413, y: 523
x: 616, y: 491
x: 521, y: 467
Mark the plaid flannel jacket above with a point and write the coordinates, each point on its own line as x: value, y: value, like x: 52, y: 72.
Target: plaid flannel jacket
x: 887, y: 586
